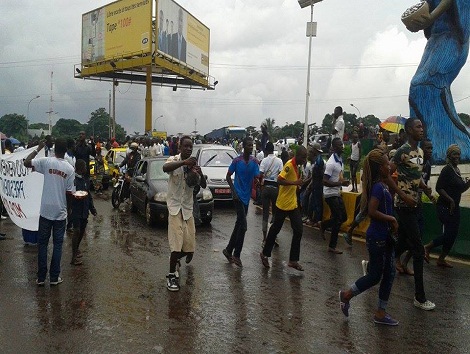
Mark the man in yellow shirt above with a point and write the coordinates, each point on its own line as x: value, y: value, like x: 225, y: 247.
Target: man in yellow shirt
x: 289, y: 181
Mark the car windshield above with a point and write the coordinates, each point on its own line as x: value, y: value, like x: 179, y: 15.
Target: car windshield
x: 216, y: 158
x: 120, y: 156
x: 156, y: 171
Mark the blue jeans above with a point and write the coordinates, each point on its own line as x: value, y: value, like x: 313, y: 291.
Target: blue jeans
x: 57, y: 227
x: 238, y: 233
x: 381, y: 266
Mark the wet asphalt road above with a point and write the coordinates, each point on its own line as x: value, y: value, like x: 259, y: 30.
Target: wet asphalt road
x: 117, y: 302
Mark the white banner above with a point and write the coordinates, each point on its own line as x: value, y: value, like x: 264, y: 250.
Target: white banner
x: 21, y: 189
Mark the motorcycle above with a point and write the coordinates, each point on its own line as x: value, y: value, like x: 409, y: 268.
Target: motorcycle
x: 118, y: 195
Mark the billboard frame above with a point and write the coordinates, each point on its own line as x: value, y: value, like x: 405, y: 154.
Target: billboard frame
x: 136, y: 67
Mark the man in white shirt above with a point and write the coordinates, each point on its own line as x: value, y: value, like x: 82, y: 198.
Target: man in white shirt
x: 269, y: 168
x: 181, y: 228
x: 338, y: 123
x: 332, y: 182
x: 59, y: 177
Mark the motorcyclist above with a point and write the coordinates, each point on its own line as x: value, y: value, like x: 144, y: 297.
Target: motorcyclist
x: 131, y: 160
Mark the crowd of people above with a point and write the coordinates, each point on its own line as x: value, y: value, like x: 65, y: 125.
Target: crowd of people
x: 393, y: 181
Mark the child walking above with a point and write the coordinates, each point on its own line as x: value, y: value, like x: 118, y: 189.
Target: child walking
x: 81, y: 207
x: 379, y: 243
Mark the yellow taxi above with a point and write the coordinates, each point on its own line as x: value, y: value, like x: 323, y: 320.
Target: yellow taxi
x: 111, y: 162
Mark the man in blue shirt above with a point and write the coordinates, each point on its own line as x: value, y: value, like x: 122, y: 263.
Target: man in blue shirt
x: 246, y: 169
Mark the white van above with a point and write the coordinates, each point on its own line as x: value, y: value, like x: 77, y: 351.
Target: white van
x: 284, y: 142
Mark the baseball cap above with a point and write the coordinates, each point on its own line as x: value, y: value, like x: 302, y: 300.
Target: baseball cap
x: 134, y: 145
x: 317, y: 147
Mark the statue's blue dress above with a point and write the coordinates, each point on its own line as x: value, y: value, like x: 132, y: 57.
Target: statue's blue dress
x: 430, y: 98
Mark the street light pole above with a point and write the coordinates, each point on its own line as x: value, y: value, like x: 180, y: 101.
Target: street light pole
x: 27, y: 115
x: 358, y: 111
x: 311, y: 32
x: 155, y: 120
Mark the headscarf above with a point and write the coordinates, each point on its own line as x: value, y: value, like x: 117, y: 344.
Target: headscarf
x: 451, y: 149
x: 375, y: 157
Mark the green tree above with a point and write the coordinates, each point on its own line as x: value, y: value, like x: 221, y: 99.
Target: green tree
x: 98, y: 125
x: 465, y: 118
x: 14, y: 125
x: 67, y: 128
x: 270, y: 123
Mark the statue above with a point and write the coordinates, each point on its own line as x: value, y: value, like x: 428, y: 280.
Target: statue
x: 447, y: 29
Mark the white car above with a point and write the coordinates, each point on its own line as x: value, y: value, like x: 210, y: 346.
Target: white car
x: 214, y: 161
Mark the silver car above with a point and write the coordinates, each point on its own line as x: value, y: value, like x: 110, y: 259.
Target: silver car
x: 214, y: 161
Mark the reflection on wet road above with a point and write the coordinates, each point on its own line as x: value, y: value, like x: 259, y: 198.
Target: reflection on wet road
x: 117, y: 302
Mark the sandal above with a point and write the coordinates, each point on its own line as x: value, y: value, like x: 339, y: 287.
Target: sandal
x: 444, y: 264
x: 400, y: 268
x: 407, y: 271
x: 296, y: 266
x: 76, y: 262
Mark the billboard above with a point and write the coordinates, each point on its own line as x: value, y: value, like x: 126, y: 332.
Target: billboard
x: 181, y: 36
x: 119, y: 29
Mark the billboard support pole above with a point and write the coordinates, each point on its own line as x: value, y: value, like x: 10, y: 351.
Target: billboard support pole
x: 148, y: 100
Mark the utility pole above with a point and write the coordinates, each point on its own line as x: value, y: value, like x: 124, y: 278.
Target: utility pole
x: 115, y: 83
x: 109, y: 119
x: 50, y: 109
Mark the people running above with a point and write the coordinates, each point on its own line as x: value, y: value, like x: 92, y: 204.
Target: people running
x: 450, y: 186
x: 289, y: 181
x: 408, y: 161
x: 381, y: 268
x: 246, y: 169
x: 184, y: 176
x: 333, y: 181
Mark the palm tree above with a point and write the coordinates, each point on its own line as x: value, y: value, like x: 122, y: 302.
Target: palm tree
x: 270, y: 126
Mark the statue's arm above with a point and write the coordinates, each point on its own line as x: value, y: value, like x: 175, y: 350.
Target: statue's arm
x: 426, y: 20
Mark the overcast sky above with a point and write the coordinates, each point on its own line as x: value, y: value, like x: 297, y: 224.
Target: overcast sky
x: 362, y: 54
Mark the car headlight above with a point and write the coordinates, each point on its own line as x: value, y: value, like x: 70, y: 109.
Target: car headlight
x: 160, y: 197
x: 206, y: 194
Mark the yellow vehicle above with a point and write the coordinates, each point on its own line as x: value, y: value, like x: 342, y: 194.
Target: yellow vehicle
x: 111, y: 162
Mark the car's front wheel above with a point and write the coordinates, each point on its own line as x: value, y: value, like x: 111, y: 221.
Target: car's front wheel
x: 149, y: 217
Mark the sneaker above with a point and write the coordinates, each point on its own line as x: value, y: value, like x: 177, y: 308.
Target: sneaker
x: 39, y: 282
x: 427, y: 305
x: 386, y: 320
x: 227, y: 255
x: 344, y: 306
x: 56, y: 282
x: 172, y: 283
x: 177, y: 271
x: 348, y: 238
x: 364, y: 264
